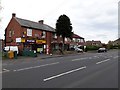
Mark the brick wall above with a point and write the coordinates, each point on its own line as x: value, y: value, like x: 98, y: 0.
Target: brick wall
x: 15, y: 28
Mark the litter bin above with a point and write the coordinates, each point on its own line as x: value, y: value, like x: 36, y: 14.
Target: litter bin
x: 10, y: 54
x: 15, y: 54
x: 33, y: 53
x: 25, y: 53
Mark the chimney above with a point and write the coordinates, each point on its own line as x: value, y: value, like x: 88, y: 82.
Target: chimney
x: 41, y: 21
x: 13, y: 14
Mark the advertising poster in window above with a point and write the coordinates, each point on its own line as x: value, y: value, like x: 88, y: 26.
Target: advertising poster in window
x: 29, y: 32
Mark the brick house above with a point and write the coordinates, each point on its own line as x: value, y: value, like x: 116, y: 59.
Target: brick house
x: 28, y: 34
x: 77, y: 41
x: 37, y: 36
x: 93, y: 43
x: 116, y: 42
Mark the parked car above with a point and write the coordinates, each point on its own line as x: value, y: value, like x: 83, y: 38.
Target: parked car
x: 11, y: 48
x: 78, y: 50
x: 102, y: 50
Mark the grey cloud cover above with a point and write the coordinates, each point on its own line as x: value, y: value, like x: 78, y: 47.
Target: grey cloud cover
x: 91, y: 19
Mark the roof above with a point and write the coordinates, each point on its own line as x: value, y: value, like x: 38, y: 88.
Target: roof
x: 34, y: 25
x: 77, y: 36
x: 117, y: 40
x: 93, y: 41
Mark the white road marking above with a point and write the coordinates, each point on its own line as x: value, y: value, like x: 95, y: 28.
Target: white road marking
x: 64, y: 73
x: 102, y: 61
x: 96, y: 56
x: 90, y: 57
x: 36, y: 66
x: 78, y: 59
x: 4, y: 70
x: 115, y: 57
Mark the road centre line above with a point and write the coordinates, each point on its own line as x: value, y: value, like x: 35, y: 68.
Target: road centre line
x: 102, y: 61
x: 82, y: 58
x: 96, y: 56
x: 36, y: 67
x: 78, y: 59
x: 68, y: 72
x: 90, y: 57
x: 115, y: 57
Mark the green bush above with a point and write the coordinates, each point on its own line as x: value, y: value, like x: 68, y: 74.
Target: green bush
x: 118, y: 46
x: 114, y: 46
x: 90, y: 48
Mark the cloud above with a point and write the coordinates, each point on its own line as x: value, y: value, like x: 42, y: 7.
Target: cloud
x: 91, y: 19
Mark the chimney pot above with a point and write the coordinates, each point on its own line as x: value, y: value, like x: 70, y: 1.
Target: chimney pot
x: 13, y: 15
x: 41, y: 21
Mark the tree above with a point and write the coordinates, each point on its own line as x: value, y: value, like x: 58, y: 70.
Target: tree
x: 64, y: 28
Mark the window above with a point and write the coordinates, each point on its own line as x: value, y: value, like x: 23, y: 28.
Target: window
x: 36, y: 35
x: 74, y: 39
x: 43, y: 34
x: 81, y: 40
x: 29, y: 32
x: 66, y: 39
x: 54, y: 35
x: 10, y: 33
x: 13, y: 32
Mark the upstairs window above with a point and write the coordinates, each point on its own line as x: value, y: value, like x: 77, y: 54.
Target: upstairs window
x: 10, y: 33
x: 43, y: 34
x: 29, y: 32
x: 55, y: 35
x: 81, y: 40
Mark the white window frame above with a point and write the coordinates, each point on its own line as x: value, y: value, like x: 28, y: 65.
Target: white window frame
x: 29, y: 32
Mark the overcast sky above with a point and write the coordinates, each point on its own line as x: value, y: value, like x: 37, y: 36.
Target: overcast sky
x: 91, y: 19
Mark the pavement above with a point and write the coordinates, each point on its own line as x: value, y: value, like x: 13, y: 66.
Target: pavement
x: 28, y: 58
x: 21, y: 59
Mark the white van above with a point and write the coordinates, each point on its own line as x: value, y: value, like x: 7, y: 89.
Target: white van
x: 11, y: 48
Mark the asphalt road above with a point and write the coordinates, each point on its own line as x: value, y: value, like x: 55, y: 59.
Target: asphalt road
x: 87, y: 70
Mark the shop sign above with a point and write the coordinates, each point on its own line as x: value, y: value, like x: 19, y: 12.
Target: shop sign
x: 18, y: 39
x: 31, y: 41
x: 22, y: 39
x: 40, y: 41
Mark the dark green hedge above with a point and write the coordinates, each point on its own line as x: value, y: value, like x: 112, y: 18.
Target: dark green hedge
x: 89, y: 48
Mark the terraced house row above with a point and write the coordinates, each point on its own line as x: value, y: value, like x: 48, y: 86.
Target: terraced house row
x: 36, y: 36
